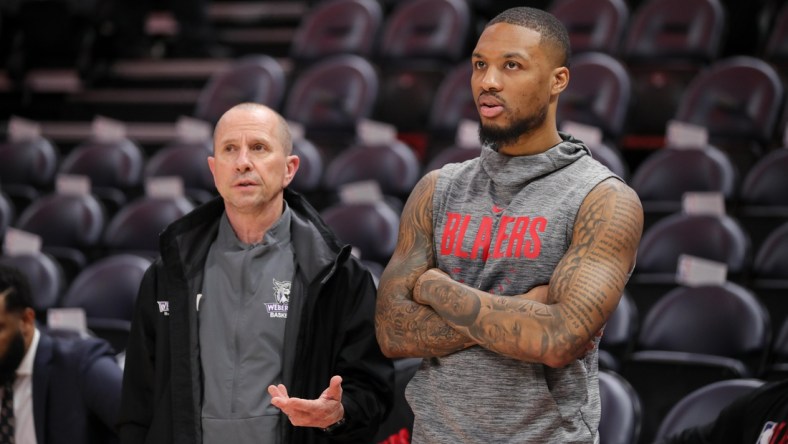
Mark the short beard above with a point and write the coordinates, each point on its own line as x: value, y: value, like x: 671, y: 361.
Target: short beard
x: 497, y: 138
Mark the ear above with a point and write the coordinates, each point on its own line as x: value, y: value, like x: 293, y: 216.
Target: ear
x: 560, y: 80
x: 291, y: 166
x: 212, y: 165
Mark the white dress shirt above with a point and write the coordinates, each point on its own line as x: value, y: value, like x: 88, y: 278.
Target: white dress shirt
x: 24, y: 427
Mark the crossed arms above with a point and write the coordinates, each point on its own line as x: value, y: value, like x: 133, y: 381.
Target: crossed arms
x: 421, y: 312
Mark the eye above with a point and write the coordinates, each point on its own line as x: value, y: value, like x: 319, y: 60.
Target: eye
x: 511, y: 65
x: 479, y: 64
x: 258, y: 147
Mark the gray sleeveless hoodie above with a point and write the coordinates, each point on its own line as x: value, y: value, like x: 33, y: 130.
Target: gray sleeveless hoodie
x: 501, y: 225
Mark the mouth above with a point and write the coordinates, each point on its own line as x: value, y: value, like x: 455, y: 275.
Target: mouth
x: 489, y: 106
x: 245, y: 183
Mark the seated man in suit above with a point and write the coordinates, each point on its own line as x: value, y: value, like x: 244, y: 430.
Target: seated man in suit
x: 53, y: 390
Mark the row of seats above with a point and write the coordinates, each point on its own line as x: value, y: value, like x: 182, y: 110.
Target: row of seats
x: 624, y: 419
x: 116, y: 170
x: 416, y: 48
x: 739, y: 100
x: 727, y: 320
x: 694, y: 336
x: 106, y: 290
x: 445, y: 28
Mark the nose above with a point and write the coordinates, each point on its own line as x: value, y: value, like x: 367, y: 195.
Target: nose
x: 242, y: 161
x: 490, y: 80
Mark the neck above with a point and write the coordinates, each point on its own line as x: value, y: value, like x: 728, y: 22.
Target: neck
x: 535, y: 142
x: 250, y: 227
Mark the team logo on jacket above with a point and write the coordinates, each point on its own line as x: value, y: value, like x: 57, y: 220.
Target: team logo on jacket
x: 164, y: 307
x: 278, y: 309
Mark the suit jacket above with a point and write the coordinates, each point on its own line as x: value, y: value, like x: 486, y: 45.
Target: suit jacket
x: 76, y: 391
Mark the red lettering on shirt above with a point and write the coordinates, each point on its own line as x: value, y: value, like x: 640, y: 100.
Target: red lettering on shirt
x: 461, y: 236
x: 482, y: 242
x: 514, y: 237
x: 449, y: 233
x: 505, y: 220
x: 517, y: 239
x: 533, y: 247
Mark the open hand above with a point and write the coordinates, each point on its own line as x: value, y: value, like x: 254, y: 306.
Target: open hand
x: 320, y: 412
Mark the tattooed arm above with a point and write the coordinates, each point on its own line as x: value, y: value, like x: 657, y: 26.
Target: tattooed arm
x: 584, y: 289
x: 405, y: 328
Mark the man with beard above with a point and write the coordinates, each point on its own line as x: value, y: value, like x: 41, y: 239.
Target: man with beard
x: 508, y: 265
x: 56, y: 390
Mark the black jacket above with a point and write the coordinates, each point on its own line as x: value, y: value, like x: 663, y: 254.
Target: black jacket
x: 329, y: 330
x: 76, y: 390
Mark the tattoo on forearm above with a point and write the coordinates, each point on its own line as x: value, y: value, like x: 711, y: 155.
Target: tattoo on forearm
x: 404, y: 327
x: 590, y: 275
x: 593, y: 270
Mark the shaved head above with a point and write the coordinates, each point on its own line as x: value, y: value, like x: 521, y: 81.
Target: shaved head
x: 284, y: 135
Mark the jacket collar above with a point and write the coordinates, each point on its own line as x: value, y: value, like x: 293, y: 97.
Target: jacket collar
x: 41, y: 378
x: 316, y: 246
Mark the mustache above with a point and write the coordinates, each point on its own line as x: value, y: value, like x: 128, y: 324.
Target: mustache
x: 493, y: 95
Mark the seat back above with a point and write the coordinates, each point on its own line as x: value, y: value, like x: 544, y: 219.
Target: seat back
x: 46, y: 278
x: 30, y: 162
x: 621, y: 411
x: 621, y: 328
x: 703, y: 405
x: 668, y: 173
x: 667, y: 43
x: 394, y: 166
x: 737, y: 97
x: 771, y: 259
x: 780, y: 344
x: 725, y: 320
x: 598, y: 94
x: 662, y: 378
x: 309, y: 176
x: 334, y: 93
x: 778, y: 367
x: 187, y: 160
x: 437, y: 29
x: 338, y: 27
x: 453, y: 102
x: 717, y: 238
x: 689, y: 29
x: 765, y: 183
x: 136, y: 227
x: 63, y: 220
x: 258, y: 78
x: 611, y: 157
x: 593, y: 25
x: 7, y: 215
x: 370, y: 227
x: 776, y: 49
x: 763, y: 203
x: 108, y: 164
x: 108, y: 287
